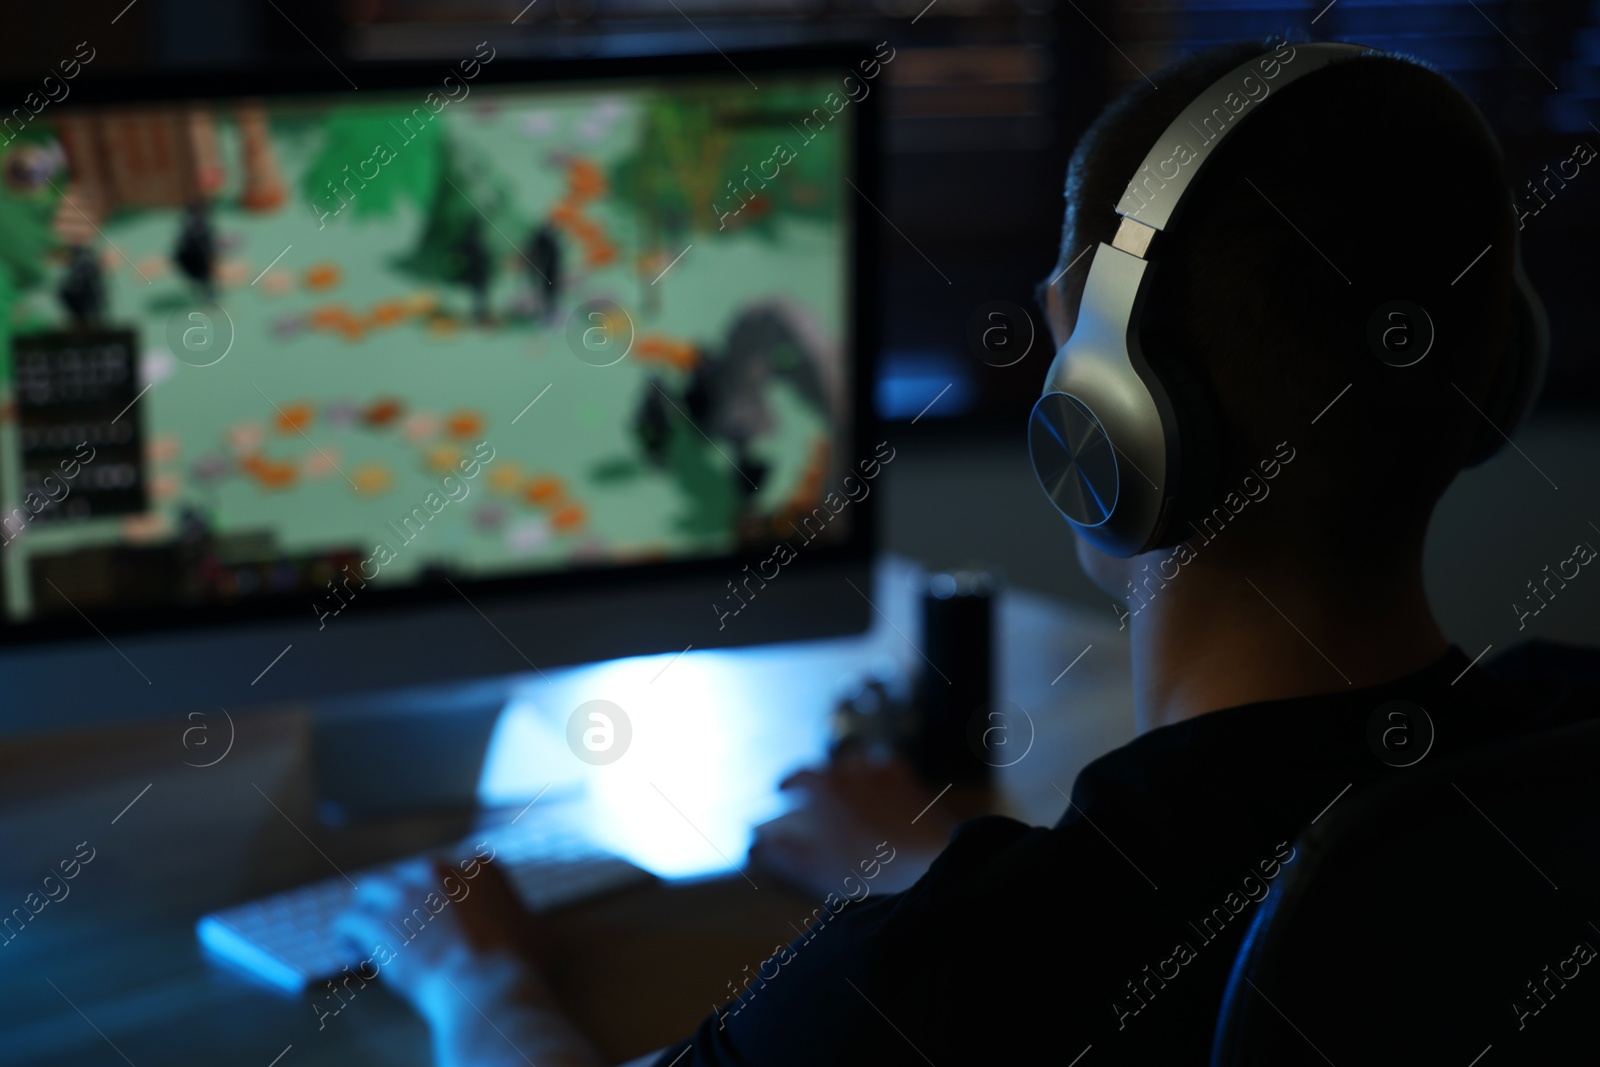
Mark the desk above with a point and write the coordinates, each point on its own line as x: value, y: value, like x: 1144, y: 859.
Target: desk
x: 111, y: 972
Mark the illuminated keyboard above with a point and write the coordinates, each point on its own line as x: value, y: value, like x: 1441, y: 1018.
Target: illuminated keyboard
x: 287, y: 939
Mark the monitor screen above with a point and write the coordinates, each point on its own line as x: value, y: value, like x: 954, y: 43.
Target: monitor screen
x: 279, y: 352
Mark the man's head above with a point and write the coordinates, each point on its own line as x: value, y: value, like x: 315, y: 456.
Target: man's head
x: 1370, y: 181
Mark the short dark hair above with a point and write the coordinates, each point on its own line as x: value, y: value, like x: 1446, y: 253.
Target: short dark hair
x: 1374, y: 180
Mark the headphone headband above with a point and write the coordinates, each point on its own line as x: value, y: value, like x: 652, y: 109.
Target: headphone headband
x: 1157, y: 188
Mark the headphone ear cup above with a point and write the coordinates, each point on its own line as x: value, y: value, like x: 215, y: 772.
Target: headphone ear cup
x: 1195, y: 459
x: 1519, y: 376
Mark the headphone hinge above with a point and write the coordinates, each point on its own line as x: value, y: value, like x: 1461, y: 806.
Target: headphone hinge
x: 1133, y: 237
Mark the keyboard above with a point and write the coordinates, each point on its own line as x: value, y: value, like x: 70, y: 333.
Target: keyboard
x: 287, y: 940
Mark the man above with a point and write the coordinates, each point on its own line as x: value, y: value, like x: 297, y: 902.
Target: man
x: 1259, y: 659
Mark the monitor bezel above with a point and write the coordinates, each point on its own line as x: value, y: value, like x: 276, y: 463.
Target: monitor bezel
x: 861, y: 291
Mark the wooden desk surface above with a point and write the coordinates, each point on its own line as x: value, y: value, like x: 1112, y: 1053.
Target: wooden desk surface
x: 111, y: 972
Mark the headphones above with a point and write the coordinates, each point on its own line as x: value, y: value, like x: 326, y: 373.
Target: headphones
x: 1125, y: 450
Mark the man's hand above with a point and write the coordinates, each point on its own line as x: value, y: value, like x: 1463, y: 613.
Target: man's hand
x: 454, y: 942
x: 426, y: 926
x: 849, y: 806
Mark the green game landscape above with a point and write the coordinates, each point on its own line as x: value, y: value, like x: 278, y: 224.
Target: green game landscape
x: 503, y: 161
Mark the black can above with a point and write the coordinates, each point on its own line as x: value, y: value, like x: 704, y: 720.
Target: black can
x: 957, y: 680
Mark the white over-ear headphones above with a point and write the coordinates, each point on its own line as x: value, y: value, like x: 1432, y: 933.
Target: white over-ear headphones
x: 1107, y: 438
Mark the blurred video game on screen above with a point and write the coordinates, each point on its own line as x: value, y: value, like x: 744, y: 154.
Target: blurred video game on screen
x: 254, y: 347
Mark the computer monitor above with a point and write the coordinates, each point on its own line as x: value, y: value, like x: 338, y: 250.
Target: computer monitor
x: 477, y: 368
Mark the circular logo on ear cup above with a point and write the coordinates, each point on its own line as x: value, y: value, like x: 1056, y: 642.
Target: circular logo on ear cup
x: 1400, y: 333
x: 1073, y: 458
